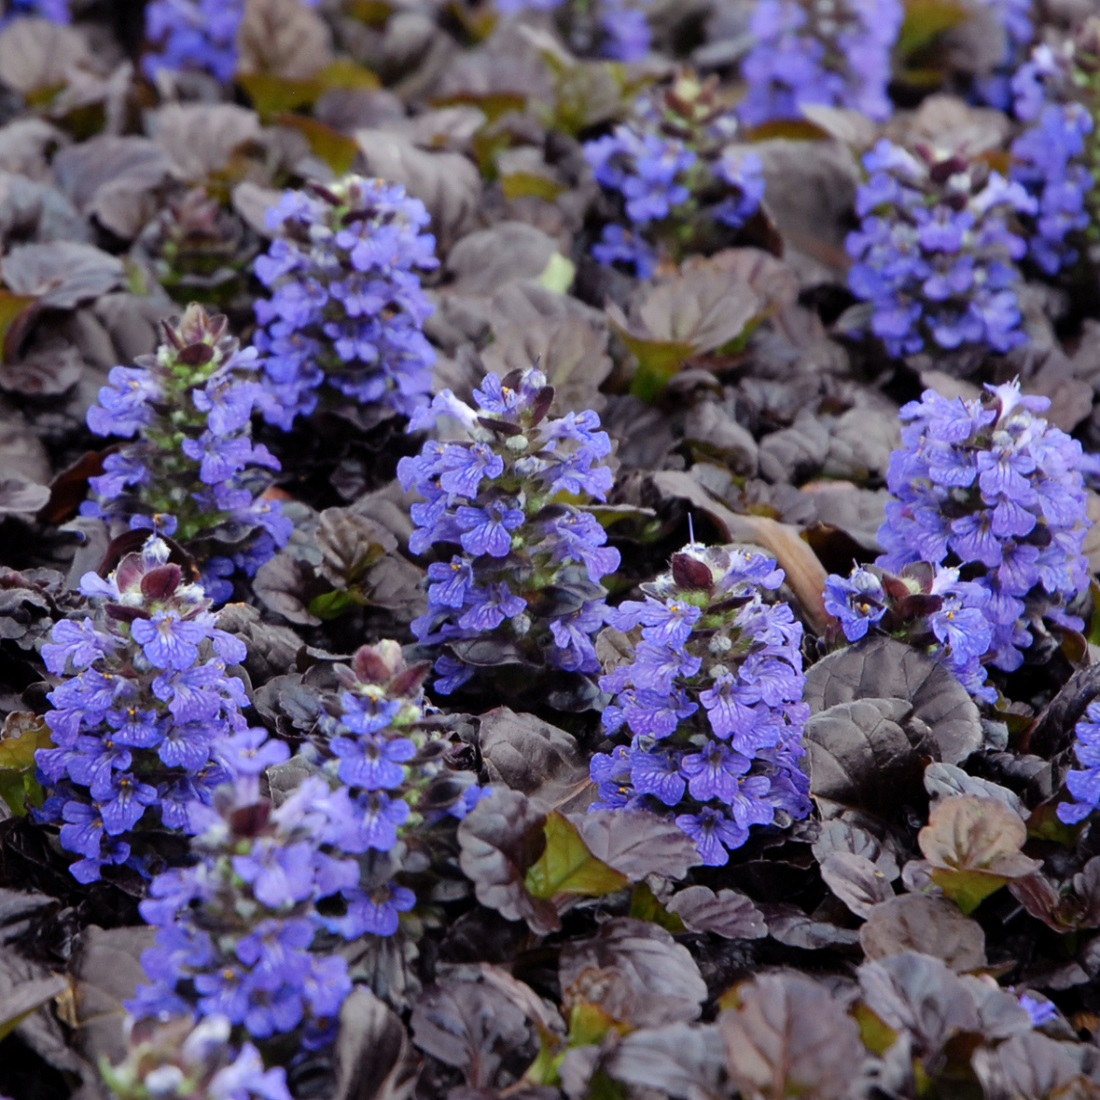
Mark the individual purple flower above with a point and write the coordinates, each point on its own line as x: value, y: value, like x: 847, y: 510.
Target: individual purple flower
x: 343, y: 328
x: 191, y: 470
x: 511, y: 498
x: 711, y: 695
x: 677, y: 173
x: 936, y: 251
x: 830, y: 52
x: 143, y: 701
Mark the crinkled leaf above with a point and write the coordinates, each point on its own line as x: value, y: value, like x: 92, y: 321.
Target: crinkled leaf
x: 856, y: 881
x: 61, y: 274
x: 840, y: 835
x: 498, y: 841
x: 637, y: 844
x: 567, y: 867
x: 681, y: 1060
x: 19, y: 497
x: 787, y: 924
x: 728, y: 913
x: 446, y: 183
x: 374, y: 1060
x: 112, y: 179
x: 350, y: 544
x: 789, y: 1037
x: 39, y: 56
x: 284, y: 39
x: 974, y: 845
x: 108, y: 970
x: 918, y: 994
x: 488, y: 260
x: 702, y: 309
x: 288, y: 585
x: 532, y: 756
x: 23, y: 998
x: 948, y: 780
x: 472, y: 1026
x: 931, y: 925
x: 51, y: 367
x: 884, y: 668
x: 1036, y: 1066
x: 859, y: 754
x: 635, y: 972
x: 200, y: 138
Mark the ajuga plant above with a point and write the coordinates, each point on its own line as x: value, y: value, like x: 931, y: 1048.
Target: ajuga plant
x: 191, y: 471
x: 236, y: 930
x: 615, y: 29
x: 711, y: 696
x: 515, y: 590
x: 343, y: 328
x: 1057, y: 95
x: 398, y: 789
x: 146, y: 718
x: 935, y: 253
x: 199, y: 251
x: 1015, y: 19
x: 179, y: 1059
x: 987, y: 487
x: 678, y: 180
x: 831, y: 52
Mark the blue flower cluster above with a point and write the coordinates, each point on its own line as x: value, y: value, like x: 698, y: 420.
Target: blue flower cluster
x: 615, y: 29
x: 712, y: 699
x: 991, y: 487
x: 1051, y: 157
x: 677, y: 173
x: 145, y: 719
x: 56, y: 11
x: 832, y: 52
x: 235, y: 930
x: 192, y: 470
x: 935, y: 254
x: 506, y: 503
x: 929, y: 607
x: 194, y: 35
x: 1084, y: 783
x: 346, y: 314
x: 391, y: 781
x: 178, y: 1059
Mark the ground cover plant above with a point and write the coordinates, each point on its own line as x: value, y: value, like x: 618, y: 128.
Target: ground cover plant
x: 547, y: 549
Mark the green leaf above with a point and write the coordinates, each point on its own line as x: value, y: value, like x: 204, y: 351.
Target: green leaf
x: 645, y: 906
x: 523, y: 185
x: 925, y: 21
x: 22, y: 736
x: 566, y: 866
x: 273, y: 95
x: 13, y: 307
x: 973, y: 845
x: 331, y: 605
x: 337, y: 150
x: 27, y: 998
x: 558, y: 274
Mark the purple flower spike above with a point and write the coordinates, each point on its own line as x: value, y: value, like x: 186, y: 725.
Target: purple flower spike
x: 715, y: 714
